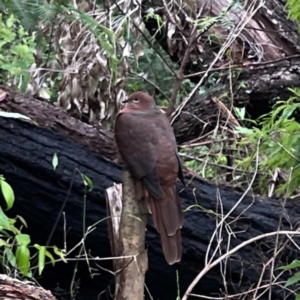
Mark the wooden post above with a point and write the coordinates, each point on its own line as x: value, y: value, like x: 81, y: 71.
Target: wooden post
x: 130, y: 240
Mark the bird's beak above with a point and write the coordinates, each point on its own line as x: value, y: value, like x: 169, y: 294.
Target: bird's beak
x: 125, y: 101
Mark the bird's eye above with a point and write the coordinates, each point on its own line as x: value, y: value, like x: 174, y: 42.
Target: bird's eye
x: 136, y: 100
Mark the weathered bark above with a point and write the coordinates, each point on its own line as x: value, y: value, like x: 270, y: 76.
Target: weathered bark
x: 26, y: 162
x: 128, y: 239
x: 15, y: 289
x: 257, y: 81
x: 264, y: 84
x: 55, y: 118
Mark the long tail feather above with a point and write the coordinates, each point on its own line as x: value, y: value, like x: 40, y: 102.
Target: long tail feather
x: 168, y: 220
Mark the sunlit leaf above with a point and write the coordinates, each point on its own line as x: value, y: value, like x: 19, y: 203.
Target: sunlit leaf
x: 8, y: 194
x: 294, y: 264
x: 49, y: 255
x: 60, y: 253
x: 243, y: 130
x: 3, y: 243
x: 294, y: 279
x: 54, y: 161
x: 87, y: 181
x: 23, y: 259
x: 41, y: 259
x: 4, y: 220
x: 8, y: 253
x: 10, y: 21
x: 23, y: 239
x: 22, y: 220
x: 240, y: 112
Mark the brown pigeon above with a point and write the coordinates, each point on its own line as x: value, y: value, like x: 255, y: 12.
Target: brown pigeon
x: 147, y: 145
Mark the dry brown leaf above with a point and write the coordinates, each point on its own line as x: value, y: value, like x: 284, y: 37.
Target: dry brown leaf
x: 138, y: 50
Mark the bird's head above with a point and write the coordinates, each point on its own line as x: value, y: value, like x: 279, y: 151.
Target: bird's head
x: 139, y: 101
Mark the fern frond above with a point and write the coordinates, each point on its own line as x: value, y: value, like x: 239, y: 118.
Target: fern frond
x: 30, y: 12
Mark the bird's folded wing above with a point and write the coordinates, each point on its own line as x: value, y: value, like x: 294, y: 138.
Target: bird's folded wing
x: 137, y: 142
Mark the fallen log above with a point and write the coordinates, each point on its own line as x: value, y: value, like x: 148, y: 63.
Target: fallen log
x: 26, y: 153
x: 12, y: 288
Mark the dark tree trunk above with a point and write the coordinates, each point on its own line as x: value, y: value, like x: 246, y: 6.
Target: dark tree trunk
x: 26, y: 152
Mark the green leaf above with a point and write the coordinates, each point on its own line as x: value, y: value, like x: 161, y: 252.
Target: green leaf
x: 12, y: 221
x: 20, y: 64
x: 22, y: 220
x: 2, y: 43
x: 4, y: 243
x: 54, y: 161
x: 20, y: 50
x: 60, y: 253
x: 298, y: 297
x: 8, y: 253
x: 23, y: 239
x: 10, y: 21
x: 8, y: 194
x: 41, y: 260
x: 4, y: 220
x: 243, y: 130
x: 49, y: 255
x: 295, y: 278
x: 87, y: 181
x: 21, y: 32
x: 240, y: 112
x: 7, y: 35
x: 294, y: 264
x: 22, y: 257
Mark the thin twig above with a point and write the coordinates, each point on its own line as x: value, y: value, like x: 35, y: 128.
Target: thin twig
x: 232, y: 251
x: 148, y: 42
x: 230, y: 39
x: 235, y: 296
x: 216, y: 164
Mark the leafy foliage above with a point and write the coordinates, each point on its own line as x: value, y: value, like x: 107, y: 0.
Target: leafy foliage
x: 293, y: 11
x: 279, y: 147
x: 15, y: 246
x: 16, y: 52
x: 206, y: 160
x: 149, y: 73
x: 30, y: 12
x: 7, y: 192
x: 296, y: 277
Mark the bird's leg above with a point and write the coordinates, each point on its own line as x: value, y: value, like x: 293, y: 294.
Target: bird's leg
x: 146, y: 198
x: 139, y: 191
x: 141, y: 195
x: 146, y: 195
